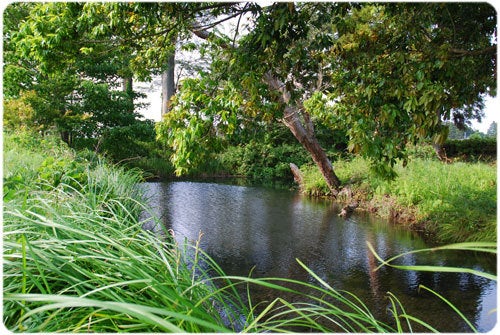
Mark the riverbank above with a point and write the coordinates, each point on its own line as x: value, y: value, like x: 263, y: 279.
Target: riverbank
x: 445, y: 202
x: 76, y: 258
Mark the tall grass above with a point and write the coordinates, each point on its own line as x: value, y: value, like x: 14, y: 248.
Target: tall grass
x: 459, y: 199
x: 79, y: 261
x: 456, y: 202
x: 76, y: 259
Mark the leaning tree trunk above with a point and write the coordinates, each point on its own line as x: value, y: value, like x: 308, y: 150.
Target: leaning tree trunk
x: 303, y: 130
x: 310, y: 143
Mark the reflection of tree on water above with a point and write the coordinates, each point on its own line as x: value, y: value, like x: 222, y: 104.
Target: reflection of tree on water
x: 246, y: 227
x: 373, y: 275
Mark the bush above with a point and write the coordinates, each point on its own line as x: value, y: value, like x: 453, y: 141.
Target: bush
x: 262, y: 162
x: 28, y: 112
x: 313, y: 183
x: 472, y: 149
x: 33, y: 161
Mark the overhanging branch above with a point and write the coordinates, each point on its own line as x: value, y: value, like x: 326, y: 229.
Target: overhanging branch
x: 467, y: 53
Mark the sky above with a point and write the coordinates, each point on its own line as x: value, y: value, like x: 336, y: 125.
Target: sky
x: 491, y: 114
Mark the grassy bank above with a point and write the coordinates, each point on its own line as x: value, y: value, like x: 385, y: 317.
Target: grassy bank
x: 76, y: 259
x: 452, y: 202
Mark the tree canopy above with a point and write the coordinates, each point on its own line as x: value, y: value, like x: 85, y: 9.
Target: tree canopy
x: 388, y: 74
x: 385, y: 74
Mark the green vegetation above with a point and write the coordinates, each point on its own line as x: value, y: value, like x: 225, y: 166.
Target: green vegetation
x: 380, y: 76
x: 307, y: 83
x: 427, y: 194
x: 76, y: 259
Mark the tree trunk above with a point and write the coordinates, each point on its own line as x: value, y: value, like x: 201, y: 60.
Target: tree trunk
x: 127, y: 85
x: 303, y: 130
x: 310, y: 143
x: 297, y: 174
x: 167, y: 85
x: 440, y: 152
x: 439, y: 139
x: 128, y: 88
x: 304, y: 134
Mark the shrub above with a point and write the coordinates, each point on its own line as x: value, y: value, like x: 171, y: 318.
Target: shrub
x: 472, y: 149
x: 262, y: 162
x: 313, y: 183
x: 28, y: 112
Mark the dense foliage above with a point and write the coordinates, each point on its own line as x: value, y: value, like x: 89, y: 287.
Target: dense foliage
x: 52, y: 81
x: 75, y: 250
x: 472, y: 149
x: 378, y: 76
x: 385, y: 74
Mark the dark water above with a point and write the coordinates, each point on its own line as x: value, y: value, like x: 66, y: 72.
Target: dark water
x: 245, y: 227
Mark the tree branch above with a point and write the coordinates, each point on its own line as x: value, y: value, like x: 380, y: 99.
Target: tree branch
x: 213, y: 24
x: 465, y: 53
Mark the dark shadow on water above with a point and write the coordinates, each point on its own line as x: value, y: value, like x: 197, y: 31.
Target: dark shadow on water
x: 264, y: 230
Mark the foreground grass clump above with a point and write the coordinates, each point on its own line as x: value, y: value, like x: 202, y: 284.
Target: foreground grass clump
x: 76, y: 264
x: 455, y: 202
x: 77, y: 260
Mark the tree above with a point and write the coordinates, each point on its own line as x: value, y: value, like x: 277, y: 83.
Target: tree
x: 386, y: 73
x: 492, y: 130
x: 402, y: 68
x: 72, y: 79
x: 457, y: 134
x: 18, y: 74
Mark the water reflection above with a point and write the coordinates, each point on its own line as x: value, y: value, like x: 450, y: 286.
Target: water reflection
x: 246, y: 227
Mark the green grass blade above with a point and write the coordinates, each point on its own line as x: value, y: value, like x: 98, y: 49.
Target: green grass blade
x: 451, y: 306
x: 472, y: 246
x: 142, y: 313
x: 420, y: 322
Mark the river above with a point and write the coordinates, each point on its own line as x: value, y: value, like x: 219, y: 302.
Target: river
x: 245, y: 227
